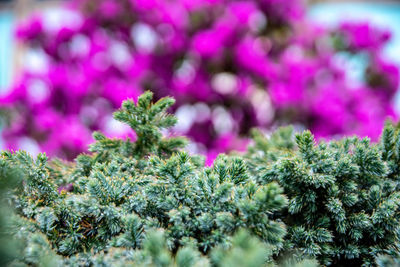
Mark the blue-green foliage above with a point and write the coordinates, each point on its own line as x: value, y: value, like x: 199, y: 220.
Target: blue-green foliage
x: 343, y: 195
x: 149, y: 203
x: 125, y: 190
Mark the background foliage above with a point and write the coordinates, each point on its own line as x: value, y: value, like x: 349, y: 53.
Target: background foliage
x: 231, y: 65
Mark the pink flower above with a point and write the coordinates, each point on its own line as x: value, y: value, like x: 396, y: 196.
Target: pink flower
x: 118, y: 90
x: 243, y: 11
x: 231, y: 65
x: 284, y: 94
x: 110, y: 9
x: 30, y: 29
x: 251, y: 55
x: 363, y: 36
x: 208, y: 43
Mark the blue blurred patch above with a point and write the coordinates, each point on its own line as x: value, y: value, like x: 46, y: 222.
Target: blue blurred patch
x: 383, y: 15
x: 6, y: 48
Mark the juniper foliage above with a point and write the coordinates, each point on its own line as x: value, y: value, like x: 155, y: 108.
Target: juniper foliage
x: 147, y: 202
x: 126, y: 189
x: 343, y: 195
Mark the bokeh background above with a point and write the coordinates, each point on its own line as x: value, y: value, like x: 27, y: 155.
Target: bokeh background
x: 65, y: 66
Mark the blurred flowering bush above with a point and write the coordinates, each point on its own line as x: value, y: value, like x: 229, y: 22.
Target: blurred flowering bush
x: 231, y: 65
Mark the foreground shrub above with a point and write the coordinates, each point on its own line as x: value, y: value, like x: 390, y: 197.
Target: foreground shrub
x: 343, y: 195
x: 231, y: 65
x: 127, y: 188
x: 150, y: 203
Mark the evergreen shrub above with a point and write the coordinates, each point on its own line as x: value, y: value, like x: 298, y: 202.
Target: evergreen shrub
x: 149, y: 203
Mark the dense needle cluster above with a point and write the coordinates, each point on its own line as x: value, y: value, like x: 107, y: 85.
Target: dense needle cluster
x: 343, y: 195
x: 148, y: 202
